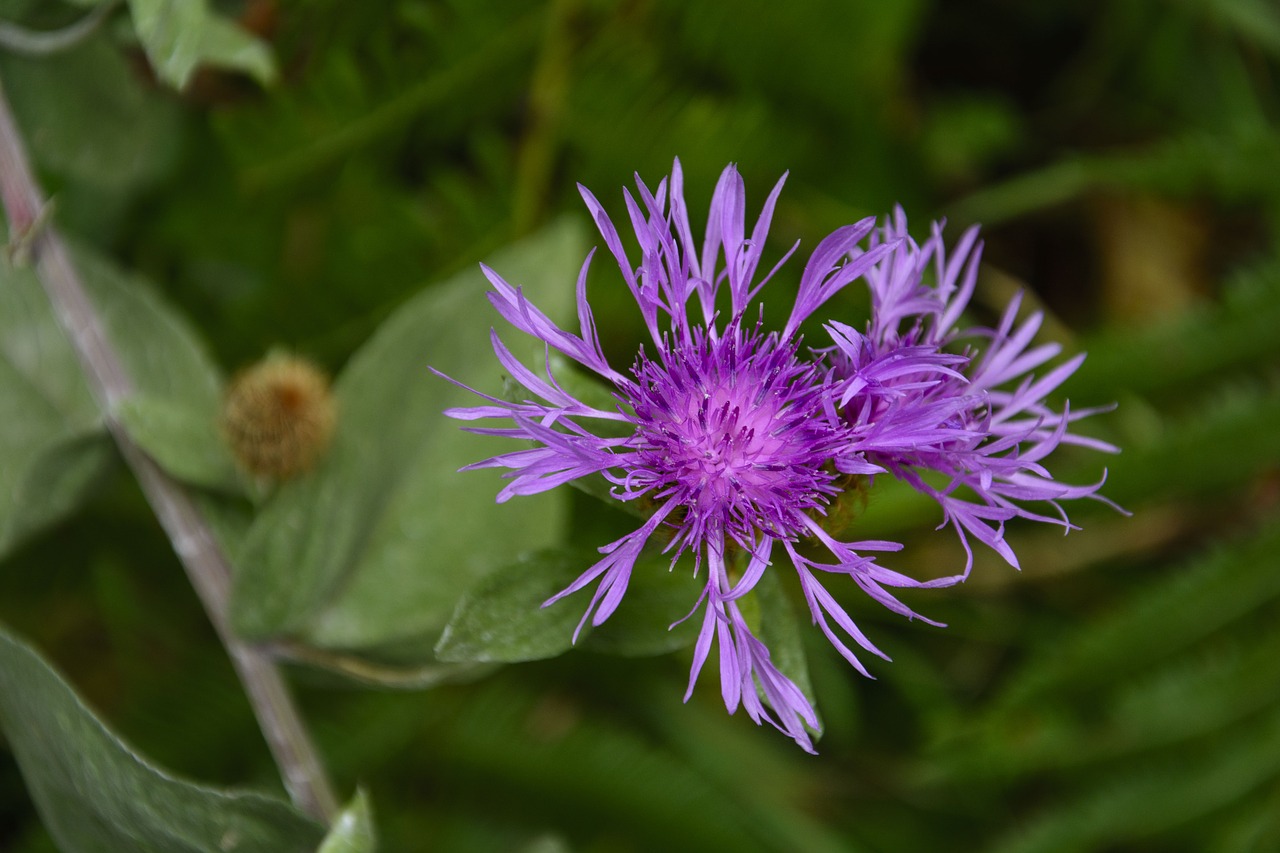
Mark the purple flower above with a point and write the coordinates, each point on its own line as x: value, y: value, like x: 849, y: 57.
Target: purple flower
x: 725, y: 430
x: 979, y: 421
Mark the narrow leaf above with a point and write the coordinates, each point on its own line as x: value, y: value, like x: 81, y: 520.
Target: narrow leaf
x: 780, y: 632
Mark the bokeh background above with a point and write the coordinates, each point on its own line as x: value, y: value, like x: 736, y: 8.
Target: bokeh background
x: 1122, y: 692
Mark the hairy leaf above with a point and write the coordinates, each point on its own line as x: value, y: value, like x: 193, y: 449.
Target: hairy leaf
x: 97, y: 795
x: 47, y: 411
x: 52, y: 447
x: 182, y: 440
x: 503, y: 620
x: 378, y: 544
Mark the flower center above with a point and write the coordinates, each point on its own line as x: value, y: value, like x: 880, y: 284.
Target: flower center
x: 733, y: 429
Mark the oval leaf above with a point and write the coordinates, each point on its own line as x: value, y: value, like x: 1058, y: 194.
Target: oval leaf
x: 378, y: 544
x: 184, y: 442
x: 651, y: 618
x: 45, y: 407
x: 52, y: 483
x: 52, y: 447
x: 503, y: 620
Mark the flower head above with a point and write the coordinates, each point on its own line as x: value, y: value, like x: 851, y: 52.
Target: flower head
x: 727, y: 431
x: 735, y: 441
x: 730, y: 430
x: 977, y: 419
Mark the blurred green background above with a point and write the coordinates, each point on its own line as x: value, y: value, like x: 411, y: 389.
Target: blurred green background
x: 1121, y: 693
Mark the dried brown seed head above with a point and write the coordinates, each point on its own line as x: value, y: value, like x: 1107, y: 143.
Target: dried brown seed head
x: 278, y: 416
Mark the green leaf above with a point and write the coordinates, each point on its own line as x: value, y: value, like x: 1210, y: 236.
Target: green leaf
x: 1156, y: 795
x: 226, y: 45
x: 52, y: 447
x: 178, y: 386
x: 180, y: 35
x: 86, y: 117
x: 503, y: 621
x: 96, y: 795
x: 352, y: 830
x: 382, y: 668
x: 45, y: 412
x: 378, y: 544
x: 52, y: 483
x: 160, y: 349
x: 780, y: 632
x: 34, y: 354
x: 645, y: 623
x: 183, y: 441
x: 1232, y: 162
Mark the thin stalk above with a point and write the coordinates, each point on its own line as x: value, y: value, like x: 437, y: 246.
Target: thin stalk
x: 45, y: 42
x: 193, y: 540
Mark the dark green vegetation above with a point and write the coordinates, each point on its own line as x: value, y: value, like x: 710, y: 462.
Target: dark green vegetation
x: 1121, y: 693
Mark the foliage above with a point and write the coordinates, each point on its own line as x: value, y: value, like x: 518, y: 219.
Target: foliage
x: 96, y: 794
x: 324, y: 176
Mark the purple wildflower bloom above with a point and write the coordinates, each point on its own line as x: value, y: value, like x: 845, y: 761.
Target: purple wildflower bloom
x: 727, y: 433
x: 980, y: 422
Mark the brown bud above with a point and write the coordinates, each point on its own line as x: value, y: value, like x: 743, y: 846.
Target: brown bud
x: 278, y: 416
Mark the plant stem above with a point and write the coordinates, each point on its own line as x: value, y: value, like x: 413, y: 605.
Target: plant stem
x: 193, y: 540
x: 46, y: 42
